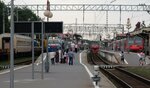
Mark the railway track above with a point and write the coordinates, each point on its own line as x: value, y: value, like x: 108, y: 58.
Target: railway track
x: 120, y: 77
x: 97, y: 60
x: 19, y: 63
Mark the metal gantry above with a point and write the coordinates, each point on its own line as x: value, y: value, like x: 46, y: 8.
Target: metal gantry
x: 87, y: 7
x: 93, y: 29
x: 84, y: 28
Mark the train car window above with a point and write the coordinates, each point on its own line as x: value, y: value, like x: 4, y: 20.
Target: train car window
x: 138, y: 40
x: 131, y: 41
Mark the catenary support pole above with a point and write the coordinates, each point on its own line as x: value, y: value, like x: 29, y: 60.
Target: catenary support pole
x: 32, y: 27
x: 42, y: 76
x: 12, y: 46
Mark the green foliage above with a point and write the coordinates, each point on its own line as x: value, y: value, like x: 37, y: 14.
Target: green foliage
x: 20, y: 14
x: 3, y: 14
x: 25, y: 14
x: 142, y: 71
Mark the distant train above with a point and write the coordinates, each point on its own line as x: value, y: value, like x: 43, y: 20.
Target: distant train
x: 94, y: 48
x: 135, y: 44
x: 54, y: 44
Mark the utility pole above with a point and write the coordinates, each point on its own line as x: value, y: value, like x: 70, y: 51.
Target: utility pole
x: 83, y: 19
x: 3, y: 19
x: 76, y: 25
x: 12, y: 46
x: 48, y: 14
x: 128, y: 34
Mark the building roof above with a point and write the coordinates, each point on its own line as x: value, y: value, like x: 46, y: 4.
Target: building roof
x: 141, y: 30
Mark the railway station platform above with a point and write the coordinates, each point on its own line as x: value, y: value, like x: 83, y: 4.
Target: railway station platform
x: 131, y: 58
x: 60, y: 76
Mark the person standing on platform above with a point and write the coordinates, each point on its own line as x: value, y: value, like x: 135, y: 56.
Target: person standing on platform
x: 141, y: 59
x: 72, y: 46
x: 64, y: 58
x: 67, y: 48
x: 57, y: 56
x: 71, y: 56
x: 76, y: 48
x: 52, y: 57
x: 122, y: 57
x: 60, y: 54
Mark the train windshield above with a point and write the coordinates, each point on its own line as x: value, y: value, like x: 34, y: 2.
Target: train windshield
x: 53, y: 42
x: 131, y: 41
x: 138, y: 40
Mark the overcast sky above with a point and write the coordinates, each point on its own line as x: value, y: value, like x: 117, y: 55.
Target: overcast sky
x: 93, y: 17
x: 80, y: 1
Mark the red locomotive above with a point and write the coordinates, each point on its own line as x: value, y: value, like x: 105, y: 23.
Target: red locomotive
x: 94, y: 48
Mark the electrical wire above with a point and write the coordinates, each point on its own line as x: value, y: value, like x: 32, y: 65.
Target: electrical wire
x: 102, y: 14
x: 24, y: 2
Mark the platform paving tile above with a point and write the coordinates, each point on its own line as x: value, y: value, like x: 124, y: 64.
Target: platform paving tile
x: 60, y: 76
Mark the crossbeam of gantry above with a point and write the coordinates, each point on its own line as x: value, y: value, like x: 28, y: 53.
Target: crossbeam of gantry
x: 87, y: 7
x: 92, y: 28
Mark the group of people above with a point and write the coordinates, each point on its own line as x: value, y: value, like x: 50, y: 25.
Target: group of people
x: 141, y: 58
x: 66, y: 56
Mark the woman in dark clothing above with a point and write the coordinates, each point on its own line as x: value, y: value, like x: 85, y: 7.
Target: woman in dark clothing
x: 57, y: 56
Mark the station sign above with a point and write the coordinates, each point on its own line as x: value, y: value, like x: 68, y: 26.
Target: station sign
x: 49, y: 27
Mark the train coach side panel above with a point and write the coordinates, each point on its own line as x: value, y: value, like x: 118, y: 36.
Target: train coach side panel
x: 22, y: 44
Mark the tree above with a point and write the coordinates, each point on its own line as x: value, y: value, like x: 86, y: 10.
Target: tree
x: 3, y: 17
x: 137, y: 26
x: 20, y: 14
x: 77, y: 37
x: 25, y: 14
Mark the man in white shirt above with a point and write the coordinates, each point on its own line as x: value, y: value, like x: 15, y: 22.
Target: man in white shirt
x: 52, y: 57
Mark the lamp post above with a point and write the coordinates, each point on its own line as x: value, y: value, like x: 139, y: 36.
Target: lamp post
x: 128, y: 26
x: 48, y: 14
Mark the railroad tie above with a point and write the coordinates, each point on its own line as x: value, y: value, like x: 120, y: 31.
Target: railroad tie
x: 5, y: 66
x: 107, y: 66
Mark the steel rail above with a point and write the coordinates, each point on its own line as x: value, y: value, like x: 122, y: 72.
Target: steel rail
x: 106, y: 69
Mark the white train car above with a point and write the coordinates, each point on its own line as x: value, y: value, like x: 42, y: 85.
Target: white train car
x: 22, y: 43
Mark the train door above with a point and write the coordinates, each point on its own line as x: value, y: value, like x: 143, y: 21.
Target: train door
x: 139, y: 42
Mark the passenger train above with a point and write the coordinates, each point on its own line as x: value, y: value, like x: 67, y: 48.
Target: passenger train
x: 134, y: 43
x: 94, y: 47
x: 22, y: 43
